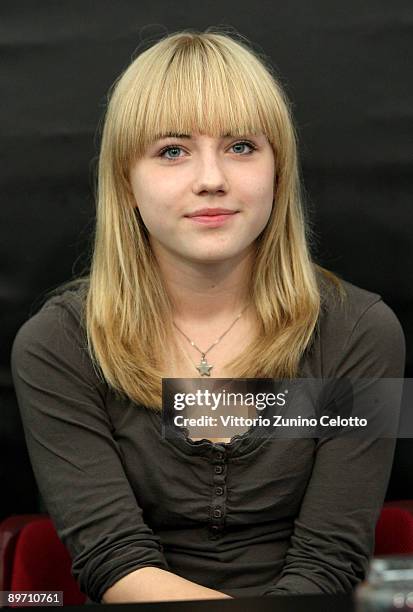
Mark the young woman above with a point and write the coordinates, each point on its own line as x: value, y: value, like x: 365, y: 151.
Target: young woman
x: 201, y: 266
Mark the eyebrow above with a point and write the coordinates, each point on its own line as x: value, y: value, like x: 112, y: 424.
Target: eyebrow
x: 175, y: 135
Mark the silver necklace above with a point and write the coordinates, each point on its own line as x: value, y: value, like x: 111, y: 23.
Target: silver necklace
x: 204, y: 368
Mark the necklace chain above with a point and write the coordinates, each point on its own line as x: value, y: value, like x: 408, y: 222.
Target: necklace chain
x: 187, y: 354
x: 204, y: 368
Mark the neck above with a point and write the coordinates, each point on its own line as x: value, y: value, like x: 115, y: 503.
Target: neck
x: 205, y: 292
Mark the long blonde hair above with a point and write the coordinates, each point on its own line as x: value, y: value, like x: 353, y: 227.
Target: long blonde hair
x: 212, y: 83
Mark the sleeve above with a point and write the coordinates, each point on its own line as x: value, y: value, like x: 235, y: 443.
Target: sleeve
x: 333, y: 535
x: 75, y: 458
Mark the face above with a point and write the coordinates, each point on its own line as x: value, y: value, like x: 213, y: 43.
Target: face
x: 180, y: 176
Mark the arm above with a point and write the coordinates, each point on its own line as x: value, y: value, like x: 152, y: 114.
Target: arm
x: 77, y: 461
x: 333, y: 535
x: 155, y: 584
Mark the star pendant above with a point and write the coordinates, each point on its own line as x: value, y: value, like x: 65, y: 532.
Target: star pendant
x: 204, y: 368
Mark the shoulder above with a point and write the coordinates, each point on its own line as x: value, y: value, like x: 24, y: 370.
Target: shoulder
x: 54, y: 333
x: 358, y: 310
x: 58, y: 312
x: 359, y: 333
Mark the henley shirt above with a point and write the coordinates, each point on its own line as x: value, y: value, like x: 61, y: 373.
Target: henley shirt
x: 255, y: 516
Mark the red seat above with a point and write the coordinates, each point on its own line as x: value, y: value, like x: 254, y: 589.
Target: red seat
x: 394, y: 529
x: 33, y: 558
x: 9, y: 531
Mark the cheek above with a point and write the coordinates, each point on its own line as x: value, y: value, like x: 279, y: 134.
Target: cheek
x: 262, y: 205
x: 265, y: 213
x: 151, y: 203
x: 261, y: 197
x: 155, y: 216
x: 258, y: 183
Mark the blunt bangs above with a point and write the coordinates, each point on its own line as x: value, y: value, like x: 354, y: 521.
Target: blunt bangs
x: 212, y: 86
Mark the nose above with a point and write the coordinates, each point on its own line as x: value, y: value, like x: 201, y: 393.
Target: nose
x: 209, y: 171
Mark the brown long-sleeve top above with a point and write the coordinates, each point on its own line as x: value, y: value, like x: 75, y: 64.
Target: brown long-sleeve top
x: 256, y: 516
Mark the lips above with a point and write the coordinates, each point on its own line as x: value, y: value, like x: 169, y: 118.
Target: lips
x: 215, y: 220
x: 211, y: 212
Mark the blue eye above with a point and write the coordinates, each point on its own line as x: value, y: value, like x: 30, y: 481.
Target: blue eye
x: 242, y: 143
x: 174, y: 147
x: 168, y: 149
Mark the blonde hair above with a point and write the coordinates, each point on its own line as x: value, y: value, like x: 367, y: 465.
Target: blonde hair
x: 212, y: 83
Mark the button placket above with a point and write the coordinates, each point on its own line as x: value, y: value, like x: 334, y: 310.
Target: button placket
x: 219, y: 493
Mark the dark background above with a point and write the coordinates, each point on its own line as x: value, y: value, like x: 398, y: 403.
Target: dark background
x: 346, y: 66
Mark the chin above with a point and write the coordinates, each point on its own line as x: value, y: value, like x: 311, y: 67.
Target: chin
x: 216, y: 257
